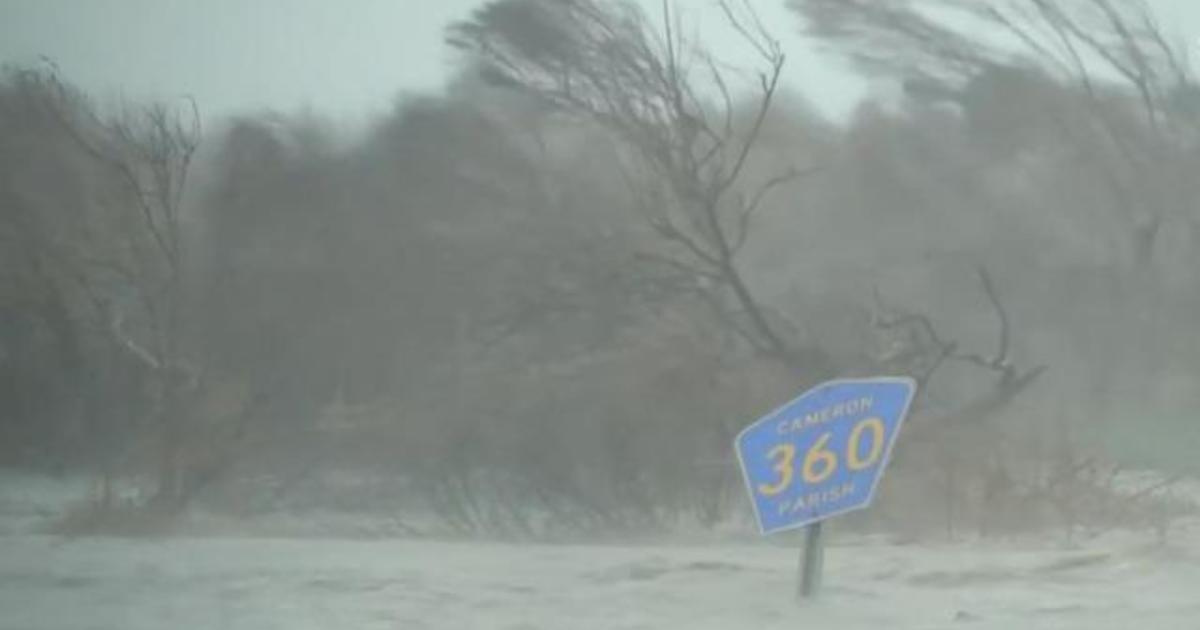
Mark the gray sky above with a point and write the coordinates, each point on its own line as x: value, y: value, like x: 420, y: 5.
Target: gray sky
x: 342, y: 58
x: 338, y: 57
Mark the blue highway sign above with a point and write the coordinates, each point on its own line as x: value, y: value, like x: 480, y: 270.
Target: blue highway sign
x: 823, y: 453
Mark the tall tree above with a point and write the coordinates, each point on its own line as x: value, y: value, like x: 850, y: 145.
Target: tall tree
x: 134, y: 268
x: 671, y: 105
x: 1130, y: 113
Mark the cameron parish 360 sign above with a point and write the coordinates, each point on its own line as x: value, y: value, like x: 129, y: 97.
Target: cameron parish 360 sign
x: 823, y: 453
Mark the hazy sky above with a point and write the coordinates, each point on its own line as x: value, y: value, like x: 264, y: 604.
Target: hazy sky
x: 341, y: 57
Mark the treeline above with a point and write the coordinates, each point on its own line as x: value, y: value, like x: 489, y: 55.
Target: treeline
x: 535, y: 302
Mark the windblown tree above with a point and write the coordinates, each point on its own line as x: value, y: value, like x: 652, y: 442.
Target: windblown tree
x: 1128, y: 112
x: 131, y: 266
x: 74, y: 239
x: 673, y: 109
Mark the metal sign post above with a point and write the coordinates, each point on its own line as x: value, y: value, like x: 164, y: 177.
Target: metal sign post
x: 812, y: 561
x: 821, y: 455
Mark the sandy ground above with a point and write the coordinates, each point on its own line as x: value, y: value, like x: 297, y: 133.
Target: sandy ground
x: 1119, y: 582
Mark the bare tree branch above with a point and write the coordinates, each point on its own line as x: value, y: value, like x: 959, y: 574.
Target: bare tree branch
x: 649, y: 85
x: 748, y: 208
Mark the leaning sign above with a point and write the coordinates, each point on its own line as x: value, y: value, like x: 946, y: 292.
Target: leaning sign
x: 823, y: 453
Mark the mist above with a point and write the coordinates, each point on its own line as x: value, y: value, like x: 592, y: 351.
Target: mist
x: 519, y: 313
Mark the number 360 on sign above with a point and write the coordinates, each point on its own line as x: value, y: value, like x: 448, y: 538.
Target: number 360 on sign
x: 823, y: 453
